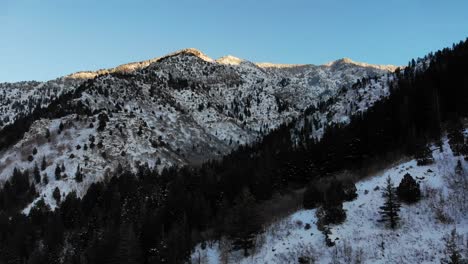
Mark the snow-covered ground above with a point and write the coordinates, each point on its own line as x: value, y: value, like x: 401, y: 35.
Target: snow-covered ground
x: 22, y: 98
x: 184, y: 108
x: 419, y: 238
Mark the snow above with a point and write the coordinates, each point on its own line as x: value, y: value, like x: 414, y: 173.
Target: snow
x: 150, y: 120
x: 419, y: 238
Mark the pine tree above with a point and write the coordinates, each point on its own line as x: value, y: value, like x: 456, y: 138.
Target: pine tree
x: 451, y: 249
x: 243, y: 222
x: 459, y: 168
x: 58, y: 171
x: 78, y: 175
x: 332, y: 212
x: 37, y: 174
x: 128, y: 250
x: 408, y: 190
x: 313, y: 197
x: 60, y: 128
x: 389, y: 211
x: 43, y: 164
x: 45, y: 179
x: 56, y: 194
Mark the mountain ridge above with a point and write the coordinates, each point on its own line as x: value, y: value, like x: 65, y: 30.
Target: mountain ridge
x: 227, y: 59
x: 180, y: 109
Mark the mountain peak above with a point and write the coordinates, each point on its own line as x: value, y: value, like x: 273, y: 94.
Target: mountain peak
x: 278, y: 65
x: 130, y: 67
x: 191, y: 51
x: 230, y: 60
x: 347, y: 61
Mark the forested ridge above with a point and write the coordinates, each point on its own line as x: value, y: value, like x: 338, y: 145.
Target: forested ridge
x: 151, y: 217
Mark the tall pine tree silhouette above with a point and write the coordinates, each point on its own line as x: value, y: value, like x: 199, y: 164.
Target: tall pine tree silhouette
x: 389, y: 211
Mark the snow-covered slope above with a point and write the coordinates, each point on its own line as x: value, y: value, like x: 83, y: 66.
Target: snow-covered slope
x: 183, y: 108
x: 20, y: 99
x: 346, y: 102
x: 419, y: 239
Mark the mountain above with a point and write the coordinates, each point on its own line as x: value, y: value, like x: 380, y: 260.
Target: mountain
x: 183, y: 108
x: 420, y: 239
x: 185, y: 159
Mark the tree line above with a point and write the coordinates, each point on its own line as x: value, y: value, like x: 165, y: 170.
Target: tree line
x: 151, y: 217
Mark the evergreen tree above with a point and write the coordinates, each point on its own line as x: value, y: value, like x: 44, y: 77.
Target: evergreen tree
x: 459, y: 168
x: 78, y: 175
x: 45, y: 179
x: 243, y: 222
x: 389, y: 211
x: 408, y: 190
x: 58, y: 172
x: 128, y: 249
x: 313, y: 197
x: 37, y: 174
x: 423, y: 155
x: 43, y: 164
x: 60, y: 128
x: 332, y: 212
x: 56, y: 194
x: 452, y: 251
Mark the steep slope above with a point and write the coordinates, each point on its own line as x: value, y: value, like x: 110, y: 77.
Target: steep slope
x: 419, y: 239
x: 183, y: 108
x: 22, y: 98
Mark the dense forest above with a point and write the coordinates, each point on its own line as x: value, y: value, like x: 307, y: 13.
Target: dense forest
x: 151, y: 217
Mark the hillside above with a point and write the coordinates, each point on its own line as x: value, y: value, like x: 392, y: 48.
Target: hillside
x: 361, y: 238
x: 186, y: 157
x: 183, y: 108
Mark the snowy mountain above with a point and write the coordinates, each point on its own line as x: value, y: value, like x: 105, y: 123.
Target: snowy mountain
x: 183, y: 108
x: 423, y: 230
x: 187, y: 159
x: 22, y: 98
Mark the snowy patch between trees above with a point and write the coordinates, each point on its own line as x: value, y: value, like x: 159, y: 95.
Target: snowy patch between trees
x: 419, y: 238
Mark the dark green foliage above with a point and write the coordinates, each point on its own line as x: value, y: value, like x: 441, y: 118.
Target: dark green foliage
x: 424, y: 155
x: 349, y: 191
x: 408, y: 190
x: 456, y: 137
x: 331, y: 211
x: 330, y: 214
x: 61, y: 126
x: 37, y: 174
x: 78, y: 175
x: 156, y: 217
x: 334, y: 194
x: 43, y: 164
x: 330, y: 193
x: 103, y: 119
x: 243, y: 222
x: 391, y: 208
x: 56, y: 194
x: 70, y: 210
x: 17, y: 192
x: 128, y: 248
x: 45, y: 179
x: 313, y: 197
x: 58, y: 172
x: 459, y: 168
x: 452, y: 251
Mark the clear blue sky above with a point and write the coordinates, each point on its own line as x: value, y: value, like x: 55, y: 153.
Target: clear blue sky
x: 44, y: 39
